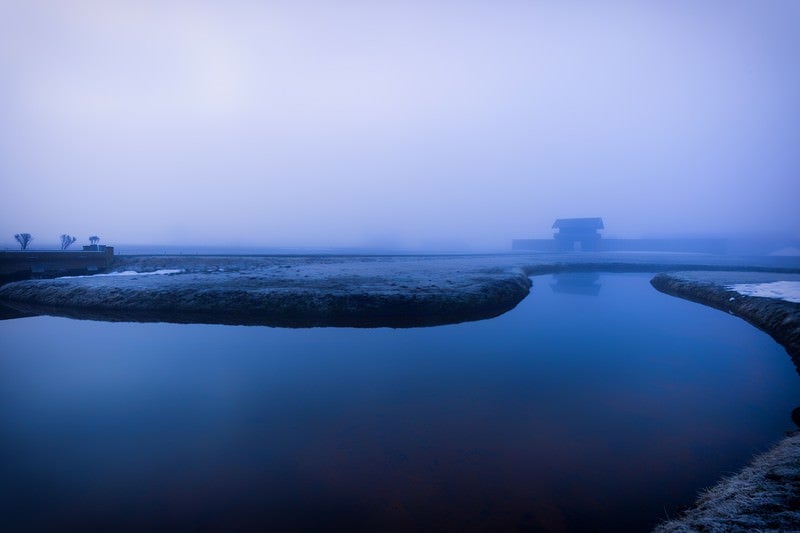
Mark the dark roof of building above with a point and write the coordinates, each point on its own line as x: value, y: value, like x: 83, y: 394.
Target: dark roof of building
x: 579, y: 223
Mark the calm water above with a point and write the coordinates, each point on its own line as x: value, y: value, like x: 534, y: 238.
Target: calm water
x: 598, y: 403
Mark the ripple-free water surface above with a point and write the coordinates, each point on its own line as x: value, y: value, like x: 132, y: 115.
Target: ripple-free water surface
x: 598, y: 403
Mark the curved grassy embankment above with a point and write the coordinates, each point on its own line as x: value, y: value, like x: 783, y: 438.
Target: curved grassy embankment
x: 279, y: 291
x: 304, y: 291
x: 765, y: 495
x: 778, y: 318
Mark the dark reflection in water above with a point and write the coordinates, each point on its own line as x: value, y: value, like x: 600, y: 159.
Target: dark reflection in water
x: 9, y: 313
x: 567, y: 413
x: 587, y: 283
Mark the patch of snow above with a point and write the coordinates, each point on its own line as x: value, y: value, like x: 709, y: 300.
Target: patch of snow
x: 782, y: 290
x: 154, y: 273
x: 132, y: 273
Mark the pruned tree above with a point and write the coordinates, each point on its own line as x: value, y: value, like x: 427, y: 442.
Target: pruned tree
x: 66, y: 240
x: 24, y: 239
x: 93, y: 240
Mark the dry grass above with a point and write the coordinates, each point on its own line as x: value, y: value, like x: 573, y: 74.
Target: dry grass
x: 282, y: 291
x: 764, y: 496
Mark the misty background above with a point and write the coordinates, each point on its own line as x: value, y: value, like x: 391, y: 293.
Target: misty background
x: 419, y: 125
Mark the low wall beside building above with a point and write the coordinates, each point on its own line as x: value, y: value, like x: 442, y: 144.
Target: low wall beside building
x: 49, y: 263
x: 677, y: 245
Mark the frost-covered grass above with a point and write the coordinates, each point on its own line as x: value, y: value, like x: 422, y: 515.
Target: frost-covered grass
x: 783, y: 290
x: 764, y: 496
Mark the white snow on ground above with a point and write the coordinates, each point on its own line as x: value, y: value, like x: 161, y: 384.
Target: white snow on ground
x: 783, y: 290
x: 133, y: 273
x: 154, y: 273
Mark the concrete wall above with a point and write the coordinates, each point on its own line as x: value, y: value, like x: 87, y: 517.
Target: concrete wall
x: 709, y: 246
x: 23, y: 264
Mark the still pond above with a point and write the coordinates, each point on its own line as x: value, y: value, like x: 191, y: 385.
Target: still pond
x: 598, y: 403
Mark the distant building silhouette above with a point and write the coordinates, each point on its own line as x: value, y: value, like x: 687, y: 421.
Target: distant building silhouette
x: 583, y: 235
x: 577, y: 233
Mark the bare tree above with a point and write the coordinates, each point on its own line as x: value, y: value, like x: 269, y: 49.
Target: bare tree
x: 66, y: 240
x: 24, y: 239
x: 93, y: 240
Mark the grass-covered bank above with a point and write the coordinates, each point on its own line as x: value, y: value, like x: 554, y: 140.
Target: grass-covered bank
x: 765, y: 495
x: 283, y: 291
x: 779, y: 318
x: 304, y: 291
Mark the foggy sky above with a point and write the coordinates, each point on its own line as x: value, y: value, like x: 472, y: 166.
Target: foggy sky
x: 443, y: 124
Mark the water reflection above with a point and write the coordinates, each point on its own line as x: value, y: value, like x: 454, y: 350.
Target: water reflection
x: 9, y: 313
x: 565, y: 414
x: 586, y: 283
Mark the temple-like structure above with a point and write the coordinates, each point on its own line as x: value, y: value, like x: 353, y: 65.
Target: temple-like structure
x: 577, y: 233
x: 583, y: 235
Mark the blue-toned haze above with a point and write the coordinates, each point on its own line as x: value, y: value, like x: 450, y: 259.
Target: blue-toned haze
x: 409, y: 124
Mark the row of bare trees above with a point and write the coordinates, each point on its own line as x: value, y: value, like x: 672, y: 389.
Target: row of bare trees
x: 24, y: 239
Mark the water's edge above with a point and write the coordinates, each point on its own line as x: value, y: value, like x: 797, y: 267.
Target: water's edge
x: 778, y: 318
x: 764, y: 495
x: 313, y: 292
x: 404, y: 297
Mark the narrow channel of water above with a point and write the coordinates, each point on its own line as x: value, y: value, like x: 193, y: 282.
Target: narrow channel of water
x: 598, y: 403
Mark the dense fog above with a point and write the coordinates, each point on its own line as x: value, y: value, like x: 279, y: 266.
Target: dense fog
x: 436, y: 126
